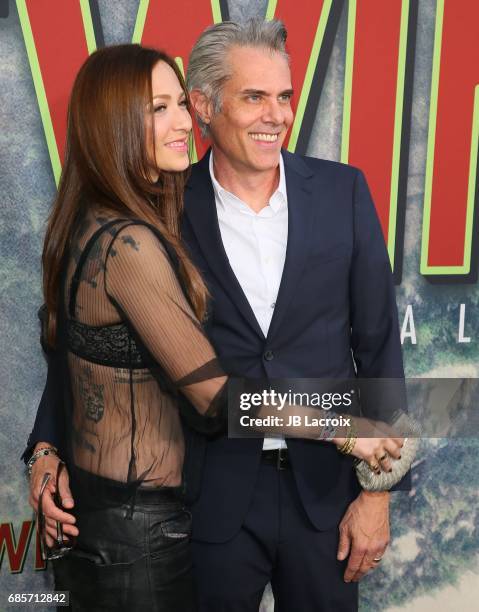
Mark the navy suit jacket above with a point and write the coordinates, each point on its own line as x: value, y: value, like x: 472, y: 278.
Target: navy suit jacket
x: 335, y: 317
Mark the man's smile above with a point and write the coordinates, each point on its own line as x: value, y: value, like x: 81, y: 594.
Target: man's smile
x: 263, y: 136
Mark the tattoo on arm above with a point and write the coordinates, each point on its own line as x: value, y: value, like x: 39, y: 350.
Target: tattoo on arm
x: 130, y: 241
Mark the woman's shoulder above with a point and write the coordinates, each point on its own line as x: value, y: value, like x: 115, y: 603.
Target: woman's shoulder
x: 107, y: 236
x: 137, y: 235
x: 139, y: 248
x: 111, y: 227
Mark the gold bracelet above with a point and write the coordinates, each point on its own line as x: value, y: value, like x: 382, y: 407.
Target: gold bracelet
x: 348, y: 446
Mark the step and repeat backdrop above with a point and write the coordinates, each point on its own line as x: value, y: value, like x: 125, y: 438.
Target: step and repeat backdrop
x: 389, y: 86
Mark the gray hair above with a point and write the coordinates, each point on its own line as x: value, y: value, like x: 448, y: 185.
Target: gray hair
x: 207, y: 66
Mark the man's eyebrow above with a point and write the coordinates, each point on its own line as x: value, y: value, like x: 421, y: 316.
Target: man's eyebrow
x: 258, y: 92
x: 261, y: 92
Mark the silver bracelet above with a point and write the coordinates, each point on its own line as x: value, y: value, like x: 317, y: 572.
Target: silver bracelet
x: 47, y: 450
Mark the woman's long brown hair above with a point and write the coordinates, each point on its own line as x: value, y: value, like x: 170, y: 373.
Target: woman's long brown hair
x: 106, y: 165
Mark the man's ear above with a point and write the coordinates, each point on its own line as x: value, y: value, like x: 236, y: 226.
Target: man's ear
x: 202, y: 105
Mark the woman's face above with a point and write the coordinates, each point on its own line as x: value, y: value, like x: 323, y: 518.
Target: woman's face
x: 169, y: 124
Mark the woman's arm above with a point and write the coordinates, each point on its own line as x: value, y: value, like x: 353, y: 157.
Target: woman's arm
x: 141, y: 282
x: 49, y: 424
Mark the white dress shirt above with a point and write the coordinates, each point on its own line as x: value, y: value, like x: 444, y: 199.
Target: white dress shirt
x: 255, y: 244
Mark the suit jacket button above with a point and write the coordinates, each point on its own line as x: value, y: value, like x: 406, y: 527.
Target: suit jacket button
x: 268, y: 356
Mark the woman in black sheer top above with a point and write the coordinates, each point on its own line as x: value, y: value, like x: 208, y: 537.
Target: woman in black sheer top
x: 122, y: 323
x: 123, y: 305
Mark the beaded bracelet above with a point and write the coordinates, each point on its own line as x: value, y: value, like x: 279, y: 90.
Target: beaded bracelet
x: 46, y: 450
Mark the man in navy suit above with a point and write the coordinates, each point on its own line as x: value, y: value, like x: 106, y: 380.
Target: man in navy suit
x: 292, y: 252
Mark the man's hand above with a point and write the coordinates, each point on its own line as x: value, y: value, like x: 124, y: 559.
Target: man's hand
x: 364, y: 533
x: 49, y: 463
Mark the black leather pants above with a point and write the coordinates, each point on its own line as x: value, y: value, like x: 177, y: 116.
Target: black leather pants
x: 131, y: 557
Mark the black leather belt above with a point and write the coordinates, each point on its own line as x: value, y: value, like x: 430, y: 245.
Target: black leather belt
x: 279, y: 457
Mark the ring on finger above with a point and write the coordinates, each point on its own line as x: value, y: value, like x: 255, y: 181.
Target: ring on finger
x: 383, y: 457
x: 374, y: 467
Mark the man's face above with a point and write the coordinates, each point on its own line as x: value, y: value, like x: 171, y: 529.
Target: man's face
x: 256, y: 109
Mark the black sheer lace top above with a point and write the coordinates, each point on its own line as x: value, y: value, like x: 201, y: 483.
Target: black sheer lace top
x: 135, y: 355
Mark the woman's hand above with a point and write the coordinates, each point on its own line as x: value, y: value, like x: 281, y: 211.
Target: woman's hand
x: 377, y: 449
x: 49, y: 463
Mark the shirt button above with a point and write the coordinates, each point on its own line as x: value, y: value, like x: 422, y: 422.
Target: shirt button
x: 273, y: 304
x: 268, y: 356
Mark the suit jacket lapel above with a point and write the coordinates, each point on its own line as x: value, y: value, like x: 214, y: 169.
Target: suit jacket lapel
x: 201, y: 211
x: 299, y: 186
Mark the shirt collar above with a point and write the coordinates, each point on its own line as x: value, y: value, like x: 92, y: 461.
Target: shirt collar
x: 225, y: 199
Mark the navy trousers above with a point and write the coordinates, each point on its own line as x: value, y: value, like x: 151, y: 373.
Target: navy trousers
x: 276, y: 544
